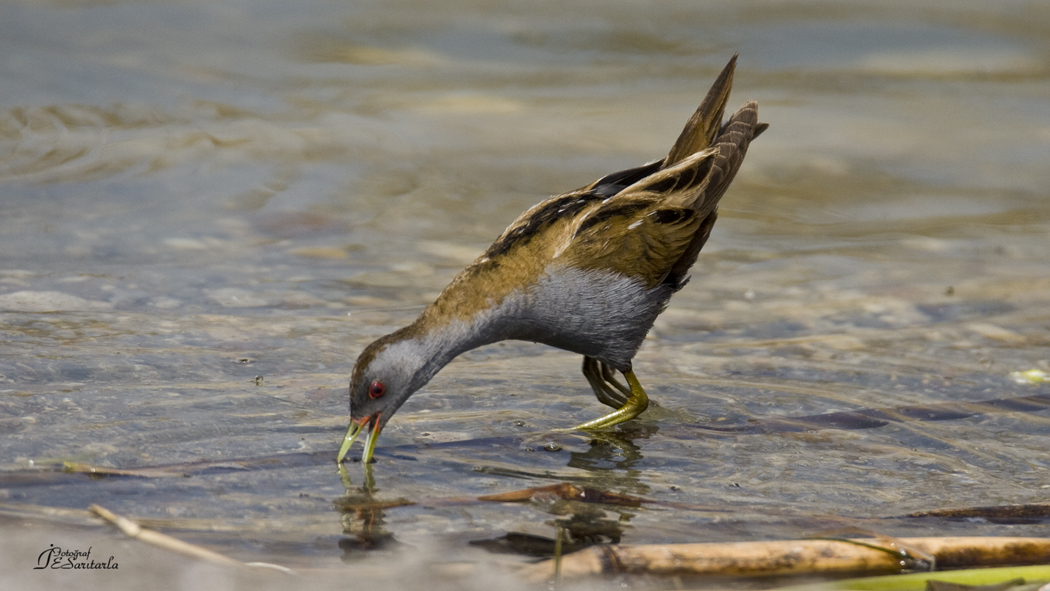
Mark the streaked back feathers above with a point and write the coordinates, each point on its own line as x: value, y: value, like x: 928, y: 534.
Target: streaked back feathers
x: 648, y: 222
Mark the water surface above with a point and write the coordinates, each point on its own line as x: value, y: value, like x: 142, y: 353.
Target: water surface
x: 207, y: 209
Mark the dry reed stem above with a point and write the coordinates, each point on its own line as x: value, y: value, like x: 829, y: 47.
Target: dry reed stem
x: 166, y: 542
x: 788, y: 557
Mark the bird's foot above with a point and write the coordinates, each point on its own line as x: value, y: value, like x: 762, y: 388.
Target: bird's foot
x: 636, y: 403
x: 607, y: 388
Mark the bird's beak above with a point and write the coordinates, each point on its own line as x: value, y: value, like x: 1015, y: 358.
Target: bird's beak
x: 355, y: 429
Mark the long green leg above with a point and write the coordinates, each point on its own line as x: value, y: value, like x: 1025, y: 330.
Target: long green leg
x: 636, y: 403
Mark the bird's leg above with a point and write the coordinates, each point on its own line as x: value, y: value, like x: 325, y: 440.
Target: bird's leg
x: 610, y: 378
x: 601, y: 377
x: 636, y: 403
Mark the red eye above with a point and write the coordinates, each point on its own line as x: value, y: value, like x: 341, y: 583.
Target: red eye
x: 376, y: 390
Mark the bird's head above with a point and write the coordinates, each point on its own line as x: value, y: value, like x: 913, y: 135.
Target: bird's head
x: 386, y: 374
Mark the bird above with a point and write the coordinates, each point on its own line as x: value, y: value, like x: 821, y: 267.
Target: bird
x: 587, y: 271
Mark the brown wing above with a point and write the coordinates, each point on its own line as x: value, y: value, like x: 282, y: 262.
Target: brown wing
x: 645, y: 229
x: 731, y: 144
x: 654, y: 228
x: 703, y: 126
x: 648, y: 222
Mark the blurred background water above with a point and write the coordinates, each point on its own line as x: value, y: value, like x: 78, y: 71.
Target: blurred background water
x: 207, y: 209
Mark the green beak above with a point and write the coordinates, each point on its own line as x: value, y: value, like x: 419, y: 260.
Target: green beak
x: 352, y: 432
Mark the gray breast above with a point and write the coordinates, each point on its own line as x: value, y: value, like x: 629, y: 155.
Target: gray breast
x: 594, y: 313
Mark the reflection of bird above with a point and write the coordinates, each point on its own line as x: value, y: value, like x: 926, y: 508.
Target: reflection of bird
x: 587, y: 271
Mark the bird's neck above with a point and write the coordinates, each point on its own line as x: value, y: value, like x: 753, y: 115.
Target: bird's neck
x: 436, y: 341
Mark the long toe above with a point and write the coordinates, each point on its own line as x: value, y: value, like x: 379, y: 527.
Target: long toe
x: 597, y: 374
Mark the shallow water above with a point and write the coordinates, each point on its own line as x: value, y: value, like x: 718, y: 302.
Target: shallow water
x: 207, y: 209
